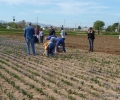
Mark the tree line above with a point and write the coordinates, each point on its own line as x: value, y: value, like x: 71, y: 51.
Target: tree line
x: 97, y: 25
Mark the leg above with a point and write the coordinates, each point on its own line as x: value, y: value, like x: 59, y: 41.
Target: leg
x: 51, y: 48
x: 90, y: 44
x: 56, y: 47
x: 41, y: 39
x: 63, y: 45
x: 33, y: 46
x: 47, y: 53
x: 53, y: 52
x: 28, y: 46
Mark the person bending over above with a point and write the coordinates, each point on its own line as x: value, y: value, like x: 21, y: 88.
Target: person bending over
x: 50, y: 49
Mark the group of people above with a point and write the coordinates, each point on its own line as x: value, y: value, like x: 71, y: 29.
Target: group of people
x: 53, y: 41
x: 39, y: 34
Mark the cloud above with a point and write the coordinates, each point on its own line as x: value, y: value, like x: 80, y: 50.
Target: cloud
x: 11, y: 2
x: 66, y: 7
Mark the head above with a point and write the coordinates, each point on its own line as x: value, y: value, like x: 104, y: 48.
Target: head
x: 36, y: 26
x: 51, y: 27
x: 90, y: 28
x: 41, y: 29
x: 29, y: 24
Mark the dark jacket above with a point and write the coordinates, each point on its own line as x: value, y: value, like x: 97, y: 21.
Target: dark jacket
x: 37, y: 31
x: 52, y: 32
x: 91, y: 35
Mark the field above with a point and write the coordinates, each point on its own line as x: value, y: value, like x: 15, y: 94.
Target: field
x: 74, y: 75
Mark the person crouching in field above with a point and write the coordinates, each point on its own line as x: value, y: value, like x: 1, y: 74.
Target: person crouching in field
x: 49, y: 37
x: 58, y: 42
x: 50, y: 48
x: 91, y: 37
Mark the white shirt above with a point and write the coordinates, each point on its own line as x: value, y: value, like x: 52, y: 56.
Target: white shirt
x: 63, y: 34
x: 41, y: 34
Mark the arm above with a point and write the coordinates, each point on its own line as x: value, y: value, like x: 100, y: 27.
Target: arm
x: 25, y: 34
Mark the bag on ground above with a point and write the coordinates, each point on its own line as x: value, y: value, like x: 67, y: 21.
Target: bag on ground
x: 36, y: 39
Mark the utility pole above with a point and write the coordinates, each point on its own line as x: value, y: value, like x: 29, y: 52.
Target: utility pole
x: 64, y: 23
x: 118, y: 25
x: 37, y: 20
x: 14, y: 21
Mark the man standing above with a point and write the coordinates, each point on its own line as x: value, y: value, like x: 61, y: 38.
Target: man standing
x: 29, y: 37
x: 63, y: 33
x: 51, y: 31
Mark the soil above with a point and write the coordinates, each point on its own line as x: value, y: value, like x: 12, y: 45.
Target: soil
x: 74, y: 75
x: 106, y: 44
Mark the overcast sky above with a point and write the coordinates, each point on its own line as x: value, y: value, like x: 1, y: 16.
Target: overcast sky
x: 70, y: 13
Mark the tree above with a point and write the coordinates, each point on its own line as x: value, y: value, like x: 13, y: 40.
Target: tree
x: 98, y: 25
x: 112, y: 28
x: 21, y: 24
x: 109, y: 28
x: 79, y: 27
x: 11, y: 24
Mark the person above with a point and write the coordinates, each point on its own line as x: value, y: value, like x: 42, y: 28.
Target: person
x: 51, y: 31
x: 41, y: 36
x: 60, y: 42
x: 29, y: 37
x: 63, y: 33
x: 37, y: 31
x: 49, y: 37
x: 91, y: 37
x: 50, y: 48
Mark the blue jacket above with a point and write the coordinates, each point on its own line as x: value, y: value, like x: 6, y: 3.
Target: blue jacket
x: 29, y: 32
x: 60, y: 41
x: 49, y: 37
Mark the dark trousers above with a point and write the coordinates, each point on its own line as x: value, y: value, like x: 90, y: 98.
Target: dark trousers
x: 41, y: 39
x: 91, y: 44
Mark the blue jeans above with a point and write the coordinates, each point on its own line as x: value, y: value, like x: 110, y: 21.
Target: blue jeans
x: 50, y: 49
x: 91, y: 44
x: 28, y: 42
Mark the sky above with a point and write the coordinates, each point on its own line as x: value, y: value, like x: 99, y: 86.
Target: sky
x: 69, y: 13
